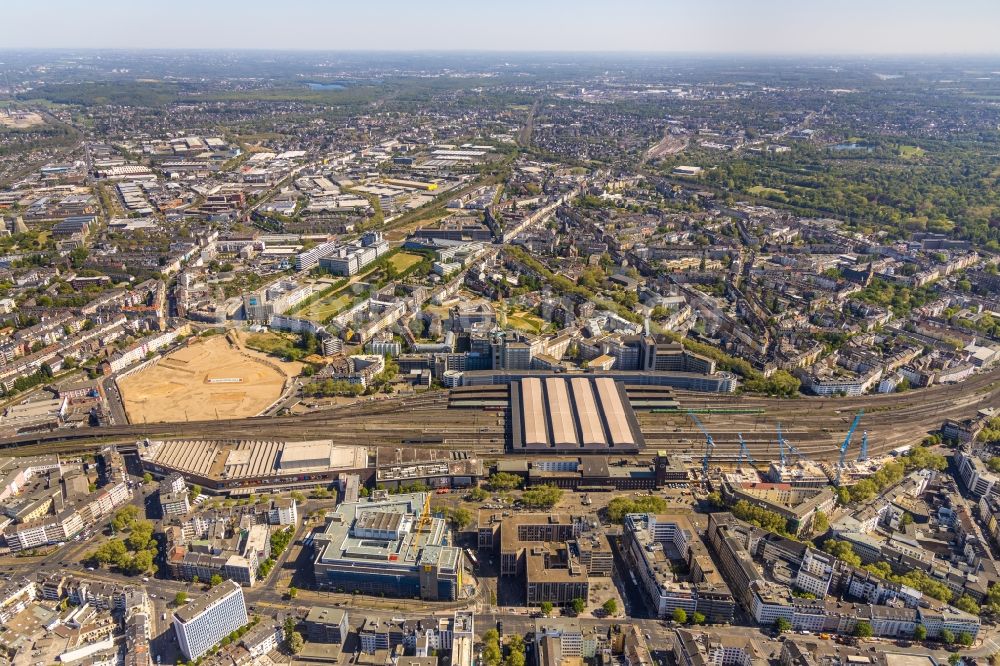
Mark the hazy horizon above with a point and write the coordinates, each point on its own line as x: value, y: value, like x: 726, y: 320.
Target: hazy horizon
x: 767, y: 28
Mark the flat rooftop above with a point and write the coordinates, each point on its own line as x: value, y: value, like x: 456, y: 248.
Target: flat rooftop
x: 236, y: 459
x: 189, y: 611
x: 350, y: 536
x: 583, y: 414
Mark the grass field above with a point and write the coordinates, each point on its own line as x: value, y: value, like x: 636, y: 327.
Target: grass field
x: 404, y: 260
x: 911, y: 152
x: 525, y: 321
x: 323, y: 309
x: 269, y: 343
x: 761, y: 191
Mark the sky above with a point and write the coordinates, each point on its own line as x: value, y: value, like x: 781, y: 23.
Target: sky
x: 819, y: 27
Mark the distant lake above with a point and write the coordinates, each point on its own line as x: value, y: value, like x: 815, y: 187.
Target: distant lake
x: 325, y: 86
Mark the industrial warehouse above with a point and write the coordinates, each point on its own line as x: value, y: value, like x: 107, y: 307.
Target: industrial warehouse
x: 578, y: 414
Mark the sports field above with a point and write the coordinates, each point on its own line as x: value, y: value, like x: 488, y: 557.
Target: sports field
x: 206, y: 380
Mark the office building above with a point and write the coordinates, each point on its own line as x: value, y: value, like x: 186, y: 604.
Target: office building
x: 391, y: 546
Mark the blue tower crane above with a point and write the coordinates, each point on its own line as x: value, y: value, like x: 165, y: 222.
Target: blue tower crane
x: 847, y: 443
x: 781, y: 446
x: 709, y: 444
x: 784, y: 444
x: 744, y: 451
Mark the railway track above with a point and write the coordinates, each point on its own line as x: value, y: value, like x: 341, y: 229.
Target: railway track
x: 816, y: 426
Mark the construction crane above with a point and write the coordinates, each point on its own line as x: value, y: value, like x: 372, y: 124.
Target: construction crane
x: 423, y: 525
x: 783, y: 444
x: 781, y: 447
x: 709, y: 444
x: 847, y: 443
x: 863, y: 455
x: 744, y: 451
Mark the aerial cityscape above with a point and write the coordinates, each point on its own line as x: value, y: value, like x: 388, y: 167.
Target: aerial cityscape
x: 469, y: 348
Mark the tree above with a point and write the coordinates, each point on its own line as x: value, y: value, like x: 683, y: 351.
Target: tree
x: 111, y: 552
x: 501, y: 481
x: 610, y: 606
x: 863, y: 630
x: 760, y: 517
x: 515, y: 651
x: 477, y: 494
x: 680, y: 615
x: 195, y: 580
x: 293, y: 592
x: 967, y: 603
x: 180, y: 598
x: 619, y: 507
x: 782, y: 383
x: 697, y: 618
x: 460, y: 517
x: 843, y: 496
x: 142, y: 563
x: 965, y: 639
x: 820, y: 522
x: 141, y: 536
x: 491, y: 648
x: 194, y: 492
x: 78, y: 256
x: 541, y: 497
x: 125, y: 517
x: 905, y: 519
x: 295, y: 642
x: 842, y: 550
x: 880, y: 569
x: 781, y: 625
x: 216, y: 579
x: 920, y: 632
x: 947, y: 636
x: 546, y: 608
x: 578, y: 605
x: 147, y: 478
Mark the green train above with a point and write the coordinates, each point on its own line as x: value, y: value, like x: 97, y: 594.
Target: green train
x: 712, y: 410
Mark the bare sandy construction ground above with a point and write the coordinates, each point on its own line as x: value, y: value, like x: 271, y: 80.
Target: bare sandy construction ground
x: 20, y: 119
x: 208, y: 379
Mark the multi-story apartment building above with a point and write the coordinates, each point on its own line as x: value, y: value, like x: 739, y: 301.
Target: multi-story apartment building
x: 205, y: 621
x: 974, y: 474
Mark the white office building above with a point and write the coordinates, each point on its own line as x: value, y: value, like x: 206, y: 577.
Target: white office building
x: 205, y: 621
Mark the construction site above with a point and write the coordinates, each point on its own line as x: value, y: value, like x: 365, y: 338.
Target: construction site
x: 209, y: 378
